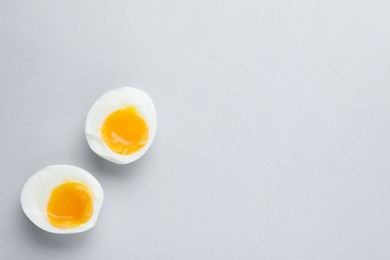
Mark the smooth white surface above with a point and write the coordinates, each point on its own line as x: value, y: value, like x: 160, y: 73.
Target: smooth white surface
x: 36, y: 193
x: 273, y: 139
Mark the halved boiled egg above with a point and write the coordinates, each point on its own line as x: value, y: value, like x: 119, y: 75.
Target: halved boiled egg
x: 121, y: 125
x: 62, y: 199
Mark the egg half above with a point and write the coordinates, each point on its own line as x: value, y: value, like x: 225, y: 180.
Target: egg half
x: 121, y: 125
x: 62, y: 199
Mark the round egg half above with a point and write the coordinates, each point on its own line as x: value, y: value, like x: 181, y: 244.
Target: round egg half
x: 121, y: 125
x: 62, y: 199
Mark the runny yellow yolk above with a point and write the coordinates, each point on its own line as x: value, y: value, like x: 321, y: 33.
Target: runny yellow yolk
x: 125, y: 131
x: 70, y: 205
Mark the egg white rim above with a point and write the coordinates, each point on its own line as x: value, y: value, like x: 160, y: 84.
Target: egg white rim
x: 110, y: 102
x: 37, y: 190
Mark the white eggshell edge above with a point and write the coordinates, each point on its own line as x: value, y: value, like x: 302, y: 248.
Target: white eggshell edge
x: 108, y: 103
x: 36, y: 193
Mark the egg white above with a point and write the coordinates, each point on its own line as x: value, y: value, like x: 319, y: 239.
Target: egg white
x: 110, y: 102
x: 37, y: 190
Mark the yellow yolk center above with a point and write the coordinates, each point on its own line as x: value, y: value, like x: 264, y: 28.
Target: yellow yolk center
x: 70, y: 205
x: 125, y: 131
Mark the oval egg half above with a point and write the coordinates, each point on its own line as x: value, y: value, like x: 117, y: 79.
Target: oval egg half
x: 62, y: 199
x: 121, y: 125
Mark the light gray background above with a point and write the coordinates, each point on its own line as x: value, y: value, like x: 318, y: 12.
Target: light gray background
x: 274, y: 124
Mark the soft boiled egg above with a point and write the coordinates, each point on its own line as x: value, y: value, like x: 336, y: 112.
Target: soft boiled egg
x: 62, y: 199
x: 121, y: 125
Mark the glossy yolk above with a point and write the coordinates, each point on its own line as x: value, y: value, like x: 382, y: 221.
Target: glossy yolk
x: 125, y: 131
x: 70, y: 205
